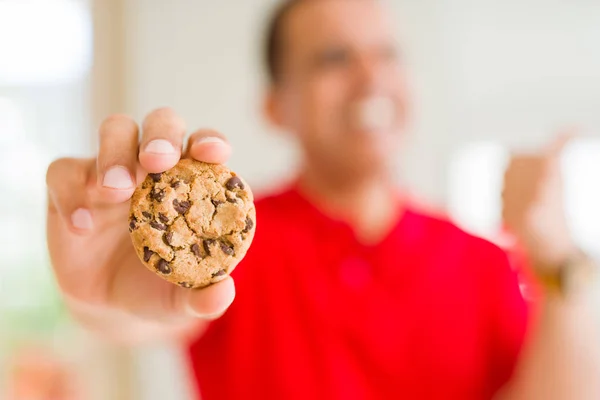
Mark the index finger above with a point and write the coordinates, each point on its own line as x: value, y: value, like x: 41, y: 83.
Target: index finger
x: 162, y: 137
x: 556, y: 147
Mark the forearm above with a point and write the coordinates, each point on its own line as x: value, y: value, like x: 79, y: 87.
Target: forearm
x: 561, y: 358
x: 118, y: 326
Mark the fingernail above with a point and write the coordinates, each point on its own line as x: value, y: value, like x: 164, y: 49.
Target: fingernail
x: 213, y: 316
x: 117, y: 178
x: 82, y: 219
x: 197, y: 314
x: 160, y: 146
x: 209, y: 139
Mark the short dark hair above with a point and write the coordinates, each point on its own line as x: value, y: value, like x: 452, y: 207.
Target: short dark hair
x: 273, y: 47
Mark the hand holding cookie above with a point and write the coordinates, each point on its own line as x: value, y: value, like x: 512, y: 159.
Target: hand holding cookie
x: 190, y: 221
x: 193, y: 223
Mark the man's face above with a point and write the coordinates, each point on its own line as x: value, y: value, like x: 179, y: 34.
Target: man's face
x: 343, y: 88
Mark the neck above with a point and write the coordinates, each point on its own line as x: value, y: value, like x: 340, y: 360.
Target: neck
x: 368, y: 204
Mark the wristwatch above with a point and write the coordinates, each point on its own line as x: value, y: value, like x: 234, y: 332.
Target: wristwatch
x: 571, y: 276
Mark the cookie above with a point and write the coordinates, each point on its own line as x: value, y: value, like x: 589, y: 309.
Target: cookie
x: 193, y: 223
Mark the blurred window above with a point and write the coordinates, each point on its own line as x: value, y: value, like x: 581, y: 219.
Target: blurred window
x: 44, y: 41
x: 475, y: 184
x: 581, y: 166
x: 45, y: 60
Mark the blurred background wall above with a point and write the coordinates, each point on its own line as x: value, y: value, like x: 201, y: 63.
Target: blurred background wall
x: 510, y: 71
x: 487, y: 75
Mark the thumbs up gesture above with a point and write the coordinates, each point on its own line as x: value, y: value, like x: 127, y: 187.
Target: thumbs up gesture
x: 533, y: 206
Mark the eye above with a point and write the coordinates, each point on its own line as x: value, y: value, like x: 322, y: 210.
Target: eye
x: 333, y: 56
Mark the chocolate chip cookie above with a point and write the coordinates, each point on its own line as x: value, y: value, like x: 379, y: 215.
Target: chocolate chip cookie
x: 192, y: 224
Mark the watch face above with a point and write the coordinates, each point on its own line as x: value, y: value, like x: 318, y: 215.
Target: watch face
x: 562, y: 278
x: 575, y: 275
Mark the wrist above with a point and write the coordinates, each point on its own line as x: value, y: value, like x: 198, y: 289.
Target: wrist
x: 566, y: 278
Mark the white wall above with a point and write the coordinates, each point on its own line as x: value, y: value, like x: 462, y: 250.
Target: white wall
x: 512, y: 71
x: 202, y: 58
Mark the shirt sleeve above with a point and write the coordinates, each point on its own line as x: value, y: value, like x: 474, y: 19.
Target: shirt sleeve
x: 507, y: 316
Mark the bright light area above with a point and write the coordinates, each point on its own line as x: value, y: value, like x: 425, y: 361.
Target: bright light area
x: 11, y: 122
x: 44, y: 41
x: 17, y: 149
x: 581, y: 166
x: 475, y: 185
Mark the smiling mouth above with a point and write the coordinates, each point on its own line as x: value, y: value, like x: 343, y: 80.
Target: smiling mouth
x: 374, y: 114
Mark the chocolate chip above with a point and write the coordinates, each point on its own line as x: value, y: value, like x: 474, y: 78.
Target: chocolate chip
x: 155, y: 177
x: 227, y: 249
x: 216, y: 202
x: 186, y: 285
x: 249, y: 225
x: 146, y: 214
x: 163, y: 218
x: 158, y: 226
x: 175, y: 184
x: 196, y: 250
x: 167, y: 238
x: 234, y: 182
x: 232, y: 200
x: 132, y: 225
x: 181, y: 206
x: 147, y: 254
x: 220, y: 272
x: 163, y: 267
x: 157, y: 195
x: 207, y: 243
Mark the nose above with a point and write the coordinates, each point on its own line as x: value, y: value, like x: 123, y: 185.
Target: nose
x: 369, y: 73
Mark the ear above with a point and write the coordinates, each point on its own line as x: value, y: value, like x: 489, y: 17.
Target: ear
x: 273, y: 109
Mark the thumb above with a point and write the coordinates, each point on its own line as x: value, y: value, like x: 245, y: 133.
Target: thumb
x: 556, y: 147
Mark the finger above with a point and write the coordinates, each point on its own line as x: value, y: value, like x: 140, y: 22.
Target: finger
x: 209, y: 146
x: 117, y: 158
x: 162, y: 138
x: 67, y: 180
x: 556, y: 147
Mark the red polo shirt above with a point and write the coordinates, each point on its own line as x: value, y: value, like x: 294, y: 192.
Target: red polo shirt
x: 428, y: 313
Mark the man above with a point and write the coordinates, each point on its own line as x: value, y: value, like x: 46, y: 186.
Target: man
x: 346, y: 292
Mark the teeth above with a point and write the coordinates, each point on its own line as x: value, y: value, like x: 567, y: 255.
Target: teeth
x: 375, y: 113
